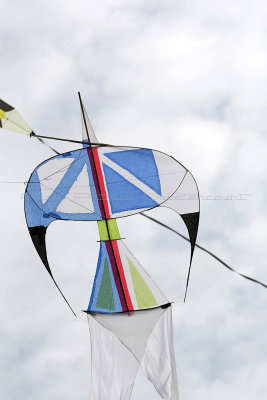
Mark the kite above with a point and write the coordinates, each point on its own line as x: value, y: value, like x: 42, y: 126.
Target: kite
x: 129, y: 317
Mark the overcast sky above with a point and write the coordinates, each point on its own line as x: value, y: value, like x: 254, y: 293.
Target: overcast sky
x: 185, y: 77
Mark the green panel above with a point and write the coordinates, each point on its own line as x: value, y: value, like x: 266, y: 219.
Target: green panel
x: 108, y: 230
x: 143, y: 294
x: 102, y: 227
x: 113, y: 229
x: 105, y: 297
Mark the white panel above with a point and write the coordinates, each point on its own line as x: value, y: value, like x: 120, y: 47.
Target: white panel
x: 51, y: 173
x: 132, y: 329
x: 113, y: 366
x: 79, y: 199
x: 186, y: 199
x: 159, y: 360
x: 157, y: 293
x: 171, y: 174
x: 120, y: 342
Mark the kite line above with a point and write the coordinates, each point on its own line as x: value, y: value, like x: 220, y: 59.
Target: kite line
x: 205, y: 250
x: 24, y: 126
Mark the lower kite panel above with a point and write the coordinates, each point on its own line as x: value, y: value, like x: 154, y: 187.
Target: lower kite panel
x: 121, y: 283
x: 121, y: 342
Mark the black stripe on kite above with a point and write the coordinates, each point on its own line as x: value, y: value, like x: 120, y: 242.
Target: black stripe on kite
x: 5, y: 107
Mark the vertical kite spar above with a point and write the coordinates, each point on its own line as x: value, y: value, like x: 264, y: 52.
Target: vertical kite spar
x: 122, y: 337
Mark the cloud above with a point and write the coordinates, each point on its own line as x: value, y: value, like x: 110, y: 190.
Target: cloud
x: 185, y: 77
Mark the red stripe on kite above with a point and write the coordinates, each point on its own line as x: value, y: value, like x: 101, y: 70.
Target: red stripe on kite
x: 95, y: 178
x: 114, y: 245
x: 116, y: 276
x: 103, y: 192
x: 111, y: 246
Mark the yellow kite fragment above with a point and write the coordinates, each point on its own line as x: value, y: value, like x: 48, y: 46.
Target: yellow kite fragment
x: 2, y: 113
x: 11, y: 119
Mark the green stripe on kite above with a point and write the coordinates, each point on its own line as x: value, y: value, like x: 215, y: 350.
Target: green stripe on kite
x: 143, y: 294
x: 105, y: 297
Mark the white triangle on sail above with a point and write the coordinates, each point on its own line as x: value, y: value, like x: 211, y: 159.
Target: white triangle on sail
x: 78, y: 199
x: 51, y: 173
x: 90, y: 130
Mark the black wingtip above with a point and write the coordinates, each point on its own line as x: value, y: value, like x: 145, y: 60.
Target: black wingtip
x: 191, y: 221
x: 38, y: 238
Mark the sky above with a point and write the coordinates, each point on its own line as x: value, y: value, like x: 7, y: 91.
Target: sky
x: 184, y: 77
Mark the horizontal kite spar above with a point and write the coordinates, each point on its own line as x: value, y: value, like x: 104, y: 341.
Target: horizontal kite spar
x: 69, y: 140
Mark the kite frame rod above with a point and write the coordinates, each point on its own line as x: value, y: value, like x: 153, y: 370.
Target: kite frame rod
x: 68, y: 140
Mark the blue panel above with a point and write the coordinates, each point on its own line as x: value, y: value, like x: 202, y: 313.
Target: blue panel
x: 103, y: 254
x: 123, y: 195
x: 34, y: 211
x: 64, y: 186
x: 39, y: 214
x: 86, y: 144
x: 61, y: 191
x: 140, y: 163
